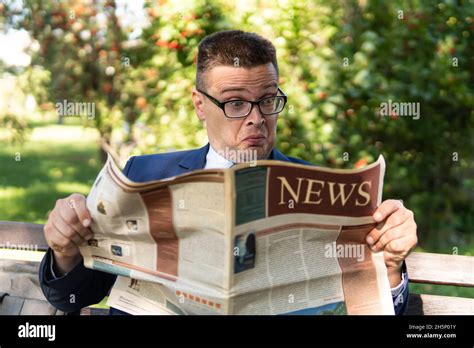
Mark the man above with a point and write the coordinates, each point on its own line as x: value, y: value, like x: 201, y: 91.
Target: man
x: 238, y: 99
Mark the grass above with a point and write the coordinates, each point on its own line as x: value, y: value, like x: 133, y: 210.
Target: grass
x: 56, y: 161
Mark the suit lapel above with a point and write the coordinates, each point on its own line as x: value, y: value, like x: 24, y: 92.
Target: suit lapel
x: 278, y: 156
x: 195, y: 159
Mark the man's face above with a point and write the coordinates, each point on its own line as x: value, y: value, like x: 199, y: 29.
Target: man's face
x: 255, y: 133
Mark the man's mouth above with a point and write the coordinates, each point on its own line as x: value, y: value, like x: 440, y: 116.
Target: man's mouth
x: 256, y: 139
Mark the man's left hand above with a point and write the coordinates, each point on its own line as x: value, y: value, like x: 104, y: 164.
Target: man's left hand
x: 395, y: 235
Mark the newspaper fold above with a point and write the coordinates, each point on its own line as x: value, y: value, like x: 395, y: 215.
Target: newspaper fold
x: 270, y: 238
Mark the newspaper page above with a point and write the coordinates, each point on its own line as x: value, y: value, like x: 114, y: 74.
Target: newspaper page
x: 270, y: 238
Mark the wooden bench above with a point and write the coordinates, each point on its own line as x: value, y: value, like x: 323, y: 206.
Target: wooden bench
x: 440, y: 269
x: 426, y: 268
x: 21, y: 236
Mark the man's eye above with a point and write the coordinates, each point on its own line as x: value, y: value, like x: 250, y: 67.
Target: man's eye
x: 236, y: 103
x: 268, y: 101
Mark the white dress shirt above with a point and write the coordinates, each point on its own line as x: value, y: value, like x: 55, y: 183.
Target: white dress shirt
x: 214, y: 160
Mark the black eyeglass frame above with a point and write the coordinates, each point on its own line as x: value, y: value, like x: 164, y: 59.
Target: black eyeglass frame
x: 221, y: 105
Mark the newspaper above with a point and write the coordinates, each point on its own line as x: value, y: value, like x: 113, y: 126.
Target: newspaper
x: 264, y: 238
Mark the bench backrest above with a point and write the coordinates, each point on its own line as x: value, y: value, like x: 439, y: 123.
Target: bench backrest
x: 441, y: 269
x: 20, y: 292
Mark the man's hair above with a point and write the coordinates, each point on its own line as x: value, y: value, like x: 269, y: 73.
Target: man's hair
x: 233, y: 48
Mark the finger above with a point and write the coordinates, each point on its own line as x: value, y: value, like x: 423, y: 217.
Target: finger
x: 67, y: 212
x: 392, y: 260
x: 394, y: 220
x: 387, y: 208
x: 68, y: 232
x: 398, y: 249
x: 69, y: 216
x: 402, y: 246
x: 85, y: 233
x: 59, y: 242
x: 78, y: 203
x: 48, y: 230
x: 390, y: 235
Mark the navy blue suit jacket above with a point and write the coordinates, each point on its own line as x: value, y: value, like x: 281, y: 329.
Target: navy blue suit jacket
x: 90, y: 286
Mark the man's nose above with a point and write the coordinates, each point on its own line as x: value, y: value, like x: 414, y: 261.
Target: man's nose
x: 255, y: 117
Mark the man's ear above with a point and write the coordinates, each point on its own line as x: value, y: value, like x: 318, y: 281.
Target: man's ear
x: 198, y: 101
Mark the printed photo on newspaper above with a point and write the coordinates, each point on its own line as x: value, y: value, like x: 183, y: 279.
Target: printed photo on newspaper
x: 259, y: 238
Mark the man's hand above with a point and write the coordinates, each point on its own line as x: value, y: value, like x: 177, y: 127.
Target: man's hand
x: 67, y: 229
x: 395, y: 235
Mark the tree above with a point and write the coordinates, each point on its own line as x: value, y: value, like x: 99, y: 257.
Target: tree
x: 80, y: 46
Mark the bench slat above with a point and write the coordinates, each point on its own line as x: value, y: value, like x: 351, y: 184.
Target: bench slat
x: 22, y: 235
x: 439, y: 305
x: 441, y: 269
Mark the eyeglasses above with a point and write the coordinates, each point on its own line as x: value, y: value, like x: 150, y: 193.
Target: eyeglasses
x: 242, y: 108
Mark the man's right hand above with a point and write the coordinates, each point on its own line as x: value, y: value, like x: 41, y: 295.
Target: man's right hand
x: 66, y: 230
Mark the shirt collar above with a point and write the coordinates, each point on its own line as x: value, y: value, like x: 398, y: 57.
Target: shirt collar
x: 214, y: 160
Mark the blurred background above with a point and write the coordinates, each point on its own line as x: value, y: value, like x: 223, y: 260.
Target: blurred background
x: 133, y: 63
